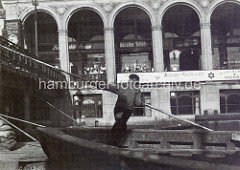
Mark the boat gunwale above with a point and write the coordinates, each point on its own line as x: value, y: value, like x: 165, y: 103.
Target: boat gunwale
x: 188, y: 131
x: 133, y: 154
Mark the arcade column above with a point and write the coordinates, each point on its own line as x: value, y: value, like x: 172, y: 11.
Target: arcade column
x: 210, y: 99
x: 157, y: 48
x: 63, y: 50
x: 206, y: 60
x: 161, y: 99
x: 110, y: 54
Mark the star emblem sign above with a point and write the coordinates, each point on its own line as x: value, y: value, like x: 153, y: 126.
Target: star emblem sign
x: 211, y: 75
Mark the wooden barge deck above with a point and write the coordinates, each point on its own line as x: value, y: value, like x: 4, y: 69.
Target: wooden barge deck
x: 92, y: 148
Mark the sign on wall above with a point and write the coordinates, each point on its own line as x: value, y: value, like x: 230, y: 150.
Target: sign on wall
x: 14, y: 31
x: 187, y: 42
x: 184, y: 76
x: 135, y: 44
x: 226, y: 40
x: 82, y: 46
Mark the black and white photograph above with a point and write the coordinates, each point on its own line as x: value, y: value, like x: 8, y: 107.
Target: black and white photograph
x: 119, y: 84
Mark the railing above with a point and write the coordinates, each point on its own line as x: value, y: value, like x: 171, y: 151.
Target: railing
x: 16, y: 59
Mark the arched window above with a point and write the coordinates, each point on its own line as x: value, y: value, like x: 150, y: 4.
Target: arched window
x: 223, y: 105
x: 86, y: 52
x: 230, y: 101
x: 184, y: 103
x: 225, y: 28
x: 233, y: 103
x: 181, y: 39
x: 133, y: 41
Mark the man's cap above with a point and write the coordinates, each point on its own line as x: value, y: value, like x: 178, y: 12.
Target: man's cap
x: 134, y: 77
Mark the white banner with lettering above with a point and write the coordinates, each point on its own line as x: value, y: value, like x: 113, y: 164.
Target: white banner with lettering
x: 184, y: 76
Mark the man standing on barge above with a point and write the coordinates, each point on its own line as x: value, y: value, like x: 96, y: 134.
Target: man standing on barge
x: 129, y: 96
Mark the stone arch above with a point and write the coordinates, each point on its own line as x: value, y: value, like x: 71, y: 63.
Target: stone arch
x: 194, y: 5
x: 215, y: 4
x: 67, y: 16
x: 50, y: 11
x: 169, y: 25
x: 139, y: 5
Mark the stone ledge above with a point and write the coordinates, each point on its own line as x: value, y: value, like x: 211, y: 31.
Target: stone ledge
x: 29, y: 154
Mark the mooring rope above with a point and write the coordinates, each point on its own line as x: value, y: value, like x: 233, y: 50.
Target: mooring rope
x: 25, y: 133
x: 21, y: 120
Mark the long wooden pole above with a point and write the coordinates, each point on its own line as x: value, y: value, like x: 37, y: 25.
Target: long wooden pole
x: 74, y: 75
x: 57, y: 109
x: 25, y: 133
x: 21, y: 120
x: 171, y: 115
x: 35, y: 27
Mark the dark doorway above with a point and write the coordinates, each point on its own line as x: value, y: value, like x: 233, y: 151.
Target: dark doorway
x: 225, y: 29
x: 189, y: 60
x: 181, y: 39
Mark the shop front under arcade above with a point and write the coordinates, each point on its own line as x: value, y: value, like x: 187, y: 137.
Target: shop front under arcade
x: 86, y: 45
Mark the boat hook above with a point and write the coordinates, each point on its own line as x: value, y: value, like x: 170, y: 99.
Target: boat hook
x: 171, y: 115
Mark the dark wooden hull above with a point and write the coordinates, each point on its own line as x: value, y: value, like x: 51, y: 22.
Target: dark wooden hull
x: 92, y: 148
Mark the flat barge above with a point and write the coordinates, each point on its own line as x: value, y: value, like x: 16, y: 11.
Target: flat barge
x: 92, y: 148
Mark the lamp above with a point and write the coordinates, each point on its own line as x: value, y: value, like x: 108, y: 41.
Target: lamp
x: 191, y: 50
x: 76, y: 100
x: 35, y: 4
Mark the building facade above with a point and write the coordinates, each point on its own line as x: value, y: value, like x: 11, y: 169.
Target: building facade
x: 186, y: 52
